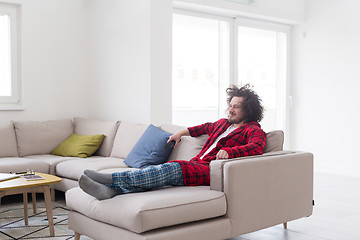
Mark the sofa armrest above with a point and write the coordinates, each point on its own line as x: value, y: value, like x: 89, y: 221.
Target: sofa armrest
x: 265, y: 190
x: 217, y: 167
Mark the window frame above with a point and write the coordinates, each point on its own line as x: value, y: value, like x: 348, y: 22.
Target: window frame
x: 13, y: 102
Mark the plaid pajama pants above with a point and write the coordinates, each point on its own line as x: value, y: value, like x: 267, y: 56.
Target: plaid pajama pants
x: 148, y: 178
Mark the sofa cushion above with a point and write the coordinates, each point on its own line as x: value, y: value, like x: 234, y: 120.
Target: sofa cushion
x: 118, y: 169
x: 79, y: 145
x: 274, y: 141
x: 74, y: 168
x: 41, y: 137
x: 16, y: 164
x: 50, y: 160
x: 150, y: 149
x: 84, y: 126
x: 188, y: 147
x: 140, y: 212
x: 126, y: 137
x: 8, y: 145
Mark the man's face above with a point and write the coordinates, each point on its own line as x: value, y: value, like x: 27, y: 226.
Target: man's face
x: 236, y: 115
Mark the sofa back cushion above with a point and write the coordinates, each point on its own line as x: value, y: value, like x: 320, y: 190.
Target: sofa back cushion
x: 274, y: 141
x: 8, y: 146
x: 188, y: 147
x: 126, y: 137
x: 83, y: 126
x: 41, y: 137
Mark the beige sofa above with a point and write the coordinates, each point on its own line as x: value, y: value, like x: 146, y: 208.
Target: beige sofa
x: 246, y: 194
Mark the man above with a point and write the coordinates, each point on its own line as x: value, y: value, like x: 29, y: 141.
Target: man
x: 239, y: 135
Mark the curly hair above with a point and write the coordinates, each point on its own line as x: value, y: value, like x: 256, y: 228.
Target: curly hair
x: 252, y: 107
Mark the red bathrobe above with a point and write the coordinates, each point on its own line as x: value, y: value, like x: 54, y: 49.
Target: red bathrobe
x: 248, y: 139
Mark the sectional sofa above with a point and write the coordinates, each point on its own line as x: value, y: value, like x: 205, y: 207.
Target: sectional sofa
x: 245, y: 194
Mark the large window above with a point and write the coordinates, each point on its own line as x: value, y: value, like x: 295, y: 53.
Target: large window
x: 200, y: 68
x: 10, y: 95
x: 212, y: 52
x: 262, y: 62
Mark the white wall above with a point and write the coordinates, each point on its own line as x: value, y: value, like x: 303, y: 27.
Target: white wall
x: 161, y: 61
x: 129, y: 46
x: 53, y: 67
x: 325, y: 86
x: 98, y: 59
x: 118, y: 34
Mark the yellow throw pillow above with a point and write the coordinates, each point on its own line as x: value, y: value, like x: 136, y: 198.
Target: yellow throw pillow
x: 79, y: 145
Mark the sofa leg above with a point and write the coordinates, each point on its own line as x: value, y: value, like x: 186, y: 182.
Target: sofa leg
x: 77, y: 236
x: 285, y: 225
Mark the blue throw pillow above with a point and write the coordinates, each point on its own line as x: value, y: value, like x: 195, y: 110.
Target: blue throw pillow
x: 150, y: 149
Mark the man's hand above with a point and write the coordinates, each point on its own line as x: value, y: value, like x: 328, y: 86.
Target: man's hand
x: 222, y: 154
x: 177, y: 136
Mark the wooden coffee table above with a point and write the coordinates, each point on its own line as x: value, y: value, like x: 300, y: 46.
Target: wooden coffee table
x: 20, y: 185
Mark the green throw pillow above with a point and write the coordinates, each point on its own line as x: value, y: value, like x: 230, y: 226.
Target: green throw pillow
x: 79, y: 146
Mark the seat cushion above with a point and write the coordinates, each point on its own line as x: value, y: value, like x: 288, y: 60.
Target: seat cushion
x: 140, y: 212
x: 16, y: 164
x: 74, y: 168
x: 50, y: 160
